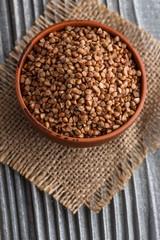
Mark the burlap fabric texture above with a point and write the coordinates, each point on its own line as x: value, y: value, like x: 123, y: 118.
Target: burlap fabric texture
x: 80, y: 176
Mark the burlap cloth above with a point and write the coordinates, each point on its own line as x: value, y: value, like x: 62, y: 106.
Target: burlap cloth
x: 80, y: 176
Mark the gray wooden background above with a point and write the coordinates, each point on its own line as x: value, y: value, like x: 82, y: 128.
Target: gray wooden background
x: 26, y: 213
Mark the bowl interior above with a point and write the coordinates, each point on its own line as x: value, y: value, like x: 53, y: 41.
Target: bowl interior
x: 58, y: 27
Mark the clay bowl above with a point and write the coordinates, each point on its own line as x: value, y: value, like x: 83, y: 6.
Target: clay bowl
x: 70, y: 141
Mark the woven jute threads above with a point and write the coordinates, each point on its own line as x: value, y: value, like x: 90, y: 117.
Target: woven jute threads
x: 80, y: 176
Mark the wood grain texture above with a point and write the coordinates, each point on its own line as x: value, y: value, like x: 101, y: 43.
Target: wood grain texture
x: 26, y: 213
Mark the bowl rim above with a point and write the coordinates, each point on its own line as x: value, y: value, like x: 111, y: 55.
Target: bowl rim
x: 112, y: 32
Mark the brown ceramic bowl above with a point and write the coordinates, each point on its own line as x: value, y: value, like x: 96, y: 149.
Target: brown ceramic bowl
x: 70, y: 141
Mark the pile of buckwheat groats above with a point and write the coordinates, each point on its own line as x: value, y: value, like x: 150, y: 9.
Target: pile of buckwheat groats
x: 81, y: 82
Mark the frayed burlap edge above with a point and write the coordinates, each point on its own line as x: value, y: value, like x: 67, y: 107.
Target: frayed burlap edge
x: 56, y: 12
